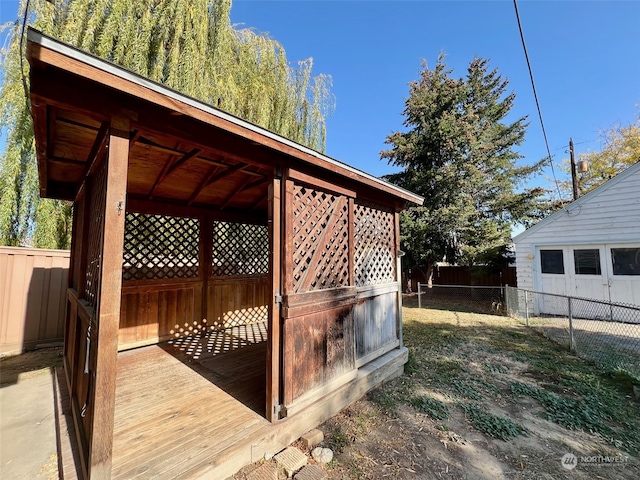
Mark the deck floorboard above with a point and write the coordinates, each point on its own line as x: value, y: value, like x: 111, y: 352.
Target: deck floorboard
x: 181, y: 403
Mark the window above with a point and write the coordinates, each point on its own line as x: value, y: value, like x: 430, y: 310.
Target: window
x: 626, y: 261
x: 552, y: 261
x: 587, y: 261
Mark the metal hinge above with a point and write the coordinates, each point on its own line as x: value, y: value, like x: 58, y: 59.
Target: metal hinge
x: 278, y: 298
x: 280, y: 411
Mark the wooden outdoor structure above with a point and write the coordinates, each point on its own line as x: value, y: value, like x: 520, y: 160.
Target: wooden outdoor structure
x: 190, y: 223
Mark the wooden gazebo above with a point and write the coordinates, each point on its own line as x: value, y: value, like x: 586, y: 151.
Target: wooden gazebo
x: 229, y: 289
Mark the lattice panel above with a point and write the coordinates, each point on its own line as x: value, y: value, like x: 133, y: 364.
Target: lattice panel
x: 239, y: 249
x: 320, y: 240
x: 374, y: 247
x: 160, y: 247
x: 96, y: 204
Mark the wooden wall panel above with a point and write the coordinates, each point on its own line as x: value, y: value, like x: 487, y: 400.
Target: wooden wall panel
x: 237, y: 301
x: 32, y: 297
x: 151, y: 314
x: 375, y: 323
x: 318, y: 347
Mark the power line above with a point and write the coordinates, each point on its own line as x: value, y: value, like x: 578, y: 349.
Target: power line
x: 535, y: 96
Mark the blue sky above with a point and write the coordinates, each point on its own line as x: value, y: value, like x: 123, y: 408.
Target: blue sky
x: 585, y: 57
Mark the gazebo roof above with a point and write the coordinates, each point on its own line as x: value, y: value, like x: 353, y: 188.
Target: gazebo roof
x: 183, y: 151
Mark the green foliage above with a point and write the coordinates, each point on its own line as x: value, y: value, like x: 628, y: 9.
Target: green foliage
x: 432, y: 407
x: 491, y: 425
x: 187, y: 45
x: 338, y: 440
x: 592, y: 412
x: 620, y: 150
x: 459, y: 153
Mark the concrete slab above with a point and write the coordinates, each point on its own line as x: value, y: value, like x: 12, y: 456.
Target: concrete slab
x: 27, y: 428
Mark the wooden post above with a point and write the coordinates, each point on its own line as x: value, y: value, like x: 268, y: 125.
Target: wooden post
x: 108, y: 307
x: 274, y: 343
x: 396, y: 232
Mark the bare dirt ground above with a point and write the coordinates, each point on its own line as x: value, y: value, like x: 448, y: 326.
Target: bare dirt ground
x: 28, y: 365
x: 484, y: 397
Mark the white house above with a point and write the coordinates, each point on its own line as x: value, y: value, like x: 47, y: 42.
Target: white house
x: 590, y: 248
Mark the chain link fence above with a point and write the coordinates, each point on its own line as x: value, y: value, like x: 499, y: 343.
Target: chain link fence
x: 608, y: 333
x: 479, y: 299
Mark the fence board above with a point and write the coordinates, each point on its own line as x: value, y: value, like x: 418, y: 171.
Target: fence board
x: 32, y: 301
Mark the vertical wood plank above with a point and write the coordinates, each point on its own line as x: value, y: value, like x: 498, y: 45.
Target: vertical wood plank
x: 398, y: 303
x: 101, y: 441
x: 352, y: 239
x: 273, y: 321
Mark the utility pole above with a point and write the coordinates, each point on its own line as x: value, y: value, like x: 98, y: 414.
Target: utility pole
x: 574, y: 178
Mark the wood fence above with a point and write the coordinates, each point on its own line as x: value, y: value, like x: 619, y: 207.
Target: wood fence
x: 33, y: 285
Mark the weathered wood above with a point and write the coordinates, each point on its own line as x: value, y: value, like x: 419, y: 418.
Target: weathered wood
x: 274, y: 344
x: 320, y: 184
x: 317, y: 301
x: 320, y: 348
x: 375, y: 323
x: 287, y: 251
x: 108, y: 309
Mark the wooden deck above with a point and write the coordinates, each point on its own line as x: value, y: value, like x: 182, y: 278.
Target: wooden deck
x: 181, y: 404
x: 188, y: 409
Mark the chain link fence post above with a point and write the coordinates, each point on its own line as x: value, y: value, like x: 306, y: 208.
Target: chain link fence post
x: 572, y: 345
x: 506, y: 299
x: 526, y: 308
x: 419, y: 298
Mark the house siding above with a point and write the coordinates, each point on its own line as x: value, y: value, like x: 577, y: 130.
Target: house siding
x: 608, y: 215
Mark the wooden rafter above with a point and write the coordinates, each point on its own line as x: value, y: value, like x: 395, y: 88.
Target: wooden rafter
x: 170, y: 166
x: 51, y: 131
x: 260, y: 200
x: 213, y: 177
x: 181, y: 161
x: 246, y: 185
x: 135, y: 135
x: 98, y: 148
x: 39, y: 113
x: 234, y: 192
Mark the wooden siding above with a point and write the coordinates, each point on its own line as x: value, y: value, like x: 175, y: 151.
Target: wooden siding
x: 32, y: 297
x: 155, y: 313
x: 607, y: 215
x: 318, y: 347
x: 375, y: 323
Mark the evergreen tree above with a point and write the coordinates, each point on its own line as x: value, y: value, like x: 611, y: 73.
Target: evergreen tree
x: 458, y: 152
x: 188, y: 45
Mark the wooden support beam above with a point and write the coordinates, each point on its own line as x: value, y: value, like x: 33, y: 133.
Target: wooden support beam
x: 246, y: 185
x: 135, y: 135
x: 39, y: 114
x: 352, y: 240
x: 213, y: 176
x: 260, y: 200
x: 274, y: 342
x: 98, y: 149
x: 51, y: 130
x: 202, y: 184
x: 162, y: 176
x: 181, y: 161
x: 108, y: 308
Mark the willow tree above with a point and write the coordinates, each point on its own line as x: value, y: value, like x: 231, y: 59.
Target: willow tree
x: 187, y: 45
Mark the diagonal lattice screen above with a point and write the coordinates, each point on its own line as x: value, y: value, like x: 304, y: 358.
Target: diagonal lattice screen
x: 320, y: 240
x: 95, y: 225
x: 160, y: 247
x: 374, y: 247
x: 239, y: 249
